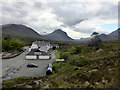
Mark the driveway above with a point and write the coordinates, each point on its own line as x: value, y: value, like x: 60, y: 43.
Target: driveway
x: 16, y: 67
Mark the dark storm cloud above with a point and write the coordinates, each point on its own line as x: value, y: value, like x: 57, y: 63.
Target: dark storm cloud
x: 67, y: 13
x: 74, y: 13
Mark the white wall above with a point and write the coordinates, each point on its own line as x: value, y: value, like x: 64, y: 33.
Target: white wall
x: 30, y: 57
x: 44, y: 57
x: 34, y: 46
x: 29, y: 49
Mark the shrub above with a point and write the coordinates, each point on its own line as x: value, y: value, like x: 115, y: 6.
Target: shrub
x: 12, y: 45
x: 77, y: 60
x: 64, y: 55
x: 76, y: 50
x: 5, y: 45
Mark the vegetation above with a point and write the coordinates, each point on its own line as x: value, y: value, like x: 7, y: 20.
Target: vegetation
x: 57, y: 55
x: 85, y: 67
x: 64, y: 55
x: 95, y: 41
x: 11, y: 45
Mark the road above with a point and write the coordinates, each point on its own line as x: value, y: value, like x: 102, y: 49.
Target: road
x: 16, y: 67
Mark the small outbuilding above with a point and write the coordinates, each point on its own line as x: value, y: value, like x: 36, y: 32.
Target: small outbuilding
x: 37, y: 54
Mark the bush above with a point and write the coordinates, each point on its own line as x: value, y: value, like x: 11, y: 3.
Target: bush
x: 64, y: 55
x: 76, y: 50
x: 77, y: 60
x: 5, y: 45
x: 12, y: 45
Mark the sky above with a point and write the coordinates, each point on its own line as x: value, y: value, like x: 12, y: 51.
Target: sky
x: 77, y: 19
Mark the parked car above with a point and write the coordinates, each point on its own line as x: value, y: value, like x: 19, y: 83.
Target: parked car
x: 32, y: 65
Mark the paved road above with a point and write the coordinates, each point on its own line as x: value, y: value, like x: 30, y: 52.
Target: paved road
x: 16, y: 67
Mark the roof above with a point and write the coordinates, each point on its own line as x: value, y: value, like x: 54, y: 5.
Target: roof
x: 41, y: 43
x: 37, y: 52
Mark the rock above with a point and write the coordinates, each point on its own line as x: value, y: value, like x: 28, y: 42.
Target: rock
x: 94, y: 70
x: 28, y: 86
x: 101, y: 65
x: 47, y: 86
x: 86, y: 84
x: 38, y: 82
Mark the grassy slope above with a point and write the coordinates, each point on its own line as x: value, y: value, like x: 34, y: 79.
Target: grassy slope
x: 101, y: 72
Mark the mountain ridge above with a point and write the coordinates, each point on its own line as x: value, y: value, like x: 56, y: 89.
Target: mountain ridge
x: 58, y: 35
x: 19, y: 30
x: 105, y: 37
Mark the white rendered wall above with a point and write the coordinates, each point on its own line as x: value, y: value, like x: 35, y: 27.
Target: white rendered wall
x: 31, y: 57
x: 43, y: 57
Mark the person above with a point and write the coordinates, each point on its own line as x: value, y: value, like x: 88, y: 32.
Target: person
x: 50, y: 66
x: 49, y: 70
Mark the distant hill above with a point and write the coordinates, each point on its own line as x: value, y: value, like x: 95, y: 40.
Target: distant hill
x: 58, y: 35
x: 114, y: 35
x: 105, y: 37
x: 19, y: 31
x: 84, y: 39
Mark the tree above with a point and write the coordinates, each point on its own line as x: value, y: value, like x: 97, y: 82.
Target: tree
x: 95, y: 41
x: 5, y: 45
x: 54, y: 47
x: 94, y: 34
x: 12, y: 45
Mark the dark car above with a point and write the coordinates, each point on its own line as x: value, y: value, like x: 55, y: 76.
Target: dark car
x: 32, y: 65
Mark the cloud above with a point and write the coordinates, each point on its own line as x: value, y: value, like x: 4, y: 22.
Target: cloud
x: 78, y: 19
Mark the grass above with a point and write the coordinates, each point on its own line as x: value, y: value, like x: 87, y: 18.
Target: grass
x: 57, y: 54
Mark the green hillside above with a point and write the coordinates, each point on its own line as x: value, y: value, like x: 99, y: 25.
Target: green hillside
x: 84, y: 67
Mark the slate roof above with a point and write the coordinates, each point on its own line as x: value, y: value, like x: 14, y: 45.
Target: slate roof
x: 37, y: 52
x: 41, y: 43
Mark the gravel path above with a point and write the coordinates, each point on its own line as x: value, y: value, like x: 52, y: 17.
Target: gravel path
x: 16, y: 67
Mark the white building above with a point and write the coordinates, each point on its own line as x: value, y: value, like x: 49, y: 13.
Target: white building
x: 37, y: 54
x: 44, y: 48
x: 34, y: 46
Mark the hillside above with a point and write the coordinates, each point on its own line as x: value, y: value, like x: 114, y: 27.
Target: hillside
x: 19, y: 31
x: 114, y: 35
x: 58, y: 35
x: 86, y: 68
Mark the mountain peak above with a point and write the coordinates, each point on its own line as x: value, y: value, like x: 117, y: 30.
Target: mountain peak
x: 58, y: 35
x: 59, y: 31
x: 19, y: 30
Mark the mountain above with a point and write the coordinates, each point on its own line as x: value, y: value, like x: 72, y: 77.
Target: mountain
x: 58, y: 35
x: 18, y: 30
x: 85, y: 39
x: 114, y: 35
x: 105, y: 37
